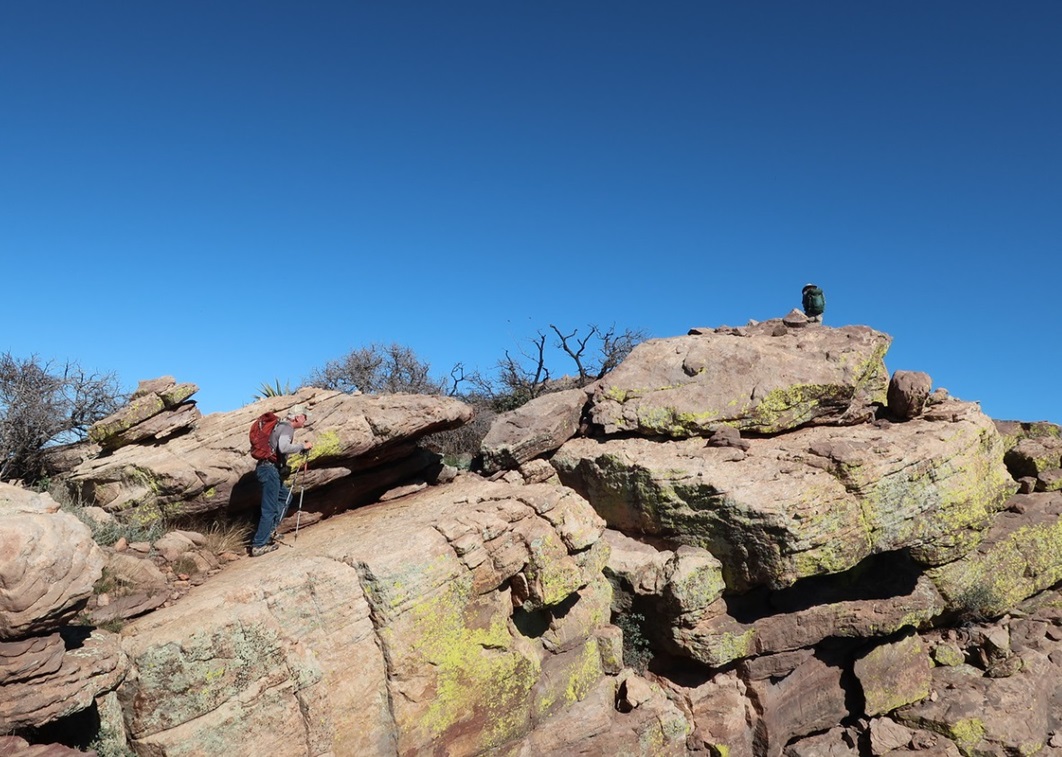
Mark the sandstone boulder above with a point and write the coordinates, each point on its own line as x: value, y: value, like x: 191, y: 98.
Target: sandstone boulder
x: 93, y: 663
x: 48, y: 564
x: 809, y: 502
x: 908, y: 394
x: 686, y: 386
x: 894, y: 674
x: 539, y: 426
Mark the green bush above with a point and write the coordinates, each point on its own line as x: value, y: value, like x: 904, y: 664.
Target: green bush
x: 637, y: 650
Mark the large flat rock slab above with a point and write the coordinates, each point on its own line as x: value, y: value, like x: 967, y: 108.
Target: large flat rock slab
x: 202, y: 470
x: 460, y: 615
x: 539, y: 426
x: 721, y: 638
x: 757, y: 380
x: 814, y: 501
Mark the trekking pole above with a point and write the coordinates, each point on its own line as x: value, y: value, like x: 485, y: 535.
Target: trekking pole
x: 287, y: 504
x: 298, y: 516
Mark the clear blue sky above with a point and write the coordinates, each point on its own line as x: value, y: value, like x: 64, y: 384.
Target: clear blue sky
x: 237, y: 192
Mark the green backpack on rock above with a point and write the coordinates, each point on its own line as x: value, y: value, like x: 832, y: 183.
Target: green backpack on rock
x: 814, y: 300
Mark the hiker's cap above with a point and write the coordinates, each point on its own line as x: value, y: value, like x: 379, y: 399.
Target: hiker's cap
x: 297, y: 410
x: 809, y: 286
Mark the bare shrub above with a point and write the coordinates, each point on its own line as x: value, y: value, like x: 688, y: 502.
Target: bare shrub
x: 43, y: 404
x: 378, y: 369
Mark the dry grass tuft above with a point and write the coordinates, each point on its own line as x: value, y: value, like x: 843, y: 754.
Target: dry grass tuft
x: 228, y: 537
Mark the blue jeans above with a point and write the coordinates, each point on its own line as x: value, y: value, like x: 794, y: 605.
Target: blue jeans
x: 274, y: 503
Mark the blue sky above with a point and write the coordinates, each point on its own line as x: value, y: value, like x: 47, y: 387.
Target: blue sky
x: 237, y: 192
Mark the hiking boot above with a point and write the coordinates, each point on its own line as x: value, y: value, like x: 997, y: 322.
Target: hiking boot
x: 259, y: 551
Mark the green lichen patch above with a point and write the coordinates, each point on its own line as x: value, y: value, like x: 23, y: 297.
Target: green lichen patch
x: 196, y: 676
x: 325, y: 444
x: 674, y: 423
x: 721, y: 649
x: 990, y: 581
x: 482, y: 677
x: 568, y: 678
x: 966, y: 733
x: 791, y: 406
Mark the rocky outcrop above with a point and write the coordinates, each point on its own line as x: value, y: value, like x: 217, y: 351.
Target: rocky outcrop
x: 811, y: 502
x: 157, y: 409
x: 463, y: 615
x: 762, y: 380
x: 789, y: 570
x: 209, y: 467
x: 48, y: 566
x: 740, y: 542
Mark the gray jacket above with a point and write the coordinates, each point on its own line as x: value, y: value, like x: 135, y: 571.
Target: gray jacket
x: 283, y: 441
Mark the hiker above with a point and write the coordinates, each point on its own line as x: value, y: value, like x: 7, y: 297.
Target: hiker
x: 814, y: 303
x: 276, y: 496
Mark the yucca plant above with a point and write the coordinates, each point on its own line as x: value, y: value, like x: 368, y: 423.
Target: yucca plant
x: 273, y: 390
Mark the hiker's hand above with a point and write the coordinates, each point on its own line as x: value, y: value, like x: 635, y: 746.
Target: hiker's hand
x: 307, y: 446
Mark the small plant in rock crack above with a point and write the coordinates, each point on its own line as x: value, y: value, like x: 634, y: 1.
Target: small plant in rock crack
x: 978, y: 603
x: 637, y: 650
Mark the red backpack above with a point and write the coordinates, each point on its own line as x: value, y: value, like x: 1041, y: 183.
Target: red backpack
x: 261, y: 430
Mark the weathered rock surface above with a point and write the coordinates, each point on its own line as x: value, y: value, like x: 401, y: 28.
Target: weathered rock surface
x: 908, y: 393
x: 810, y: 699
x: 540, y: 426
x: 210, y: 468
x: 894, y: 674
x: 722, y: 712
x: 809, y: 502
x: 30, y: 656
x: 93, y: 663
x: 681, y: 585
x: 1020, y: 556
x: 685, y: 386
x: 48, y: 564
x: 131, y: 585
x: 157, y: 409
x: 608, y: 722
x: 462, y: 615
x: 983, y: 715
